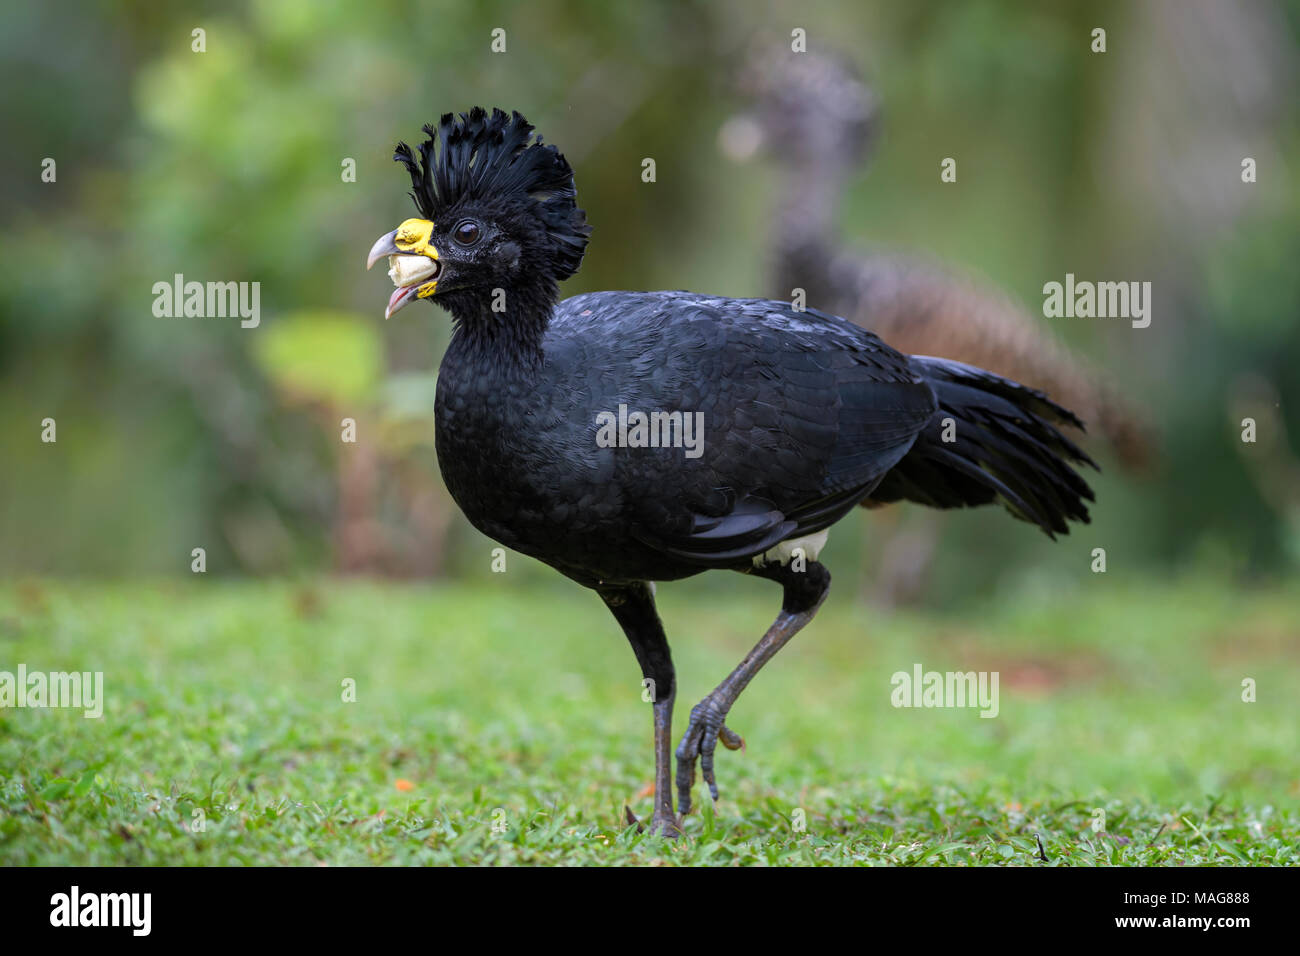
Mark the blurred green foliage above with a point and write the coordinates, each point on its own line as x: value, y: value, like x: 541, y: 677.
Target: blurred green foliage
x: 322, y: 357
x: 226, y: 165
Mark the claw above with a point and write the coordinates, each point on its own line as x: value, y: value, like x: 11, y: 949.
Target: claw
x: 705, y: 729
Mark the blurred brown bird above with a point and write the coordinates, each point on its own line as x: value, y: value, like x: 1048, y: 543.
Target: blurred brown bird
x: 818, y: 119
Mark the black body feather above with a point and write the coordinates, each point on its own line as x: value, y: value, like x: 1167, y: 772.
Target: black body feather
x: 805, y: 416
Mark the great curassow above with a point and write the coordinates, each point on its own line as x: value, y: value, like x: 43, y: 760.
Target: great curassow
x: 801, y: 415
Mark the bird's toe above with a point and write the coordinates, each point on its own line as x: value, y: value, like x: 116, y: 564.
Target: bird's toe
x: 707, y: 726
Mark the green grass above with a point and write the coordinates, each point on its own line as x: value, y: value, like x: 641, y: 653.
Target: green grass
x: 498, y: 703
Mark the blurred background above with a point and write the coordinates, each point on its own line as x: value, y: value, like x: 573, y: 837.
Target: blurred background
x: 177, y: 433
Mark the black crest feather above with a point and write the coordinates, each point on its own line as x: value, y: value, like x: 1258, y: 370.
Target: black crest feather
x: 481, y: 156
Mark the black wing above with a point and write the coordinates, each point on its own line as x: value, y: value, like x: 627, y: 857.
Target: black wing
x: 803, y: 414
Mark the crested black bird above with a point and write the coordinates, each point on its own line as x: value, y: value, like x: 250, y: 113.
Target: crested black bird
x: 801, y: 416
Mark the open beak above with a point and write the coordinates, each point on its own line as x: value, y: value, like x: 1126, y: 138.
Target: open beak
x: 412, y: 262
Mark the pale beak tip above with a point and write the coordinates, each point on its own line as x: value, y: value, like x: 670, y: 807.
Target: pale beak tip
x: 384, y: 246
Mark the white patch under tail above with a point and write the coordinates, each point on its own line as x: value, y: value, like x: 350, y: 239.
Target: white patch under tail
x: 809, y: 546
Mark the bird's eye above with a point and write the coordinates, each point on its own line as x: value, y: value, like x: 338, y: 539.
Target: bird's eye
x: 466, y: 232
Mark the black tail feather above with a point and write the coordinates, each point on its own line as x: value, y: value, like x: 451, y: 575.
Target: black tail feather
x: 1004, y: 444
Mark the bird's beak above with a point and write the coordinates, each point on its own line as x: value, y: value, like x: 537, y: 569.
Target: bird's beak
x: 412, y: 261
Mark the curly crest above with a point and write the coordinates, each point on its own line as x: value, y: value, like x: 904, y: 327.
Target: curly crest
x: 477, y: 156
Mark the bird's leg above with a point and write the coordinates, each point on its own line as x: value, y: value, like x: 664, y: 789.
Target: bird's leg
x: 633, y: 606
x: 804, y: 592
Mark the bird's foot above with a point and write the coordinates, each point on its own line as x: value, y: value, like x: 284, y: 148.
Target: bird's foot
x: 706, y: 727
x: 664, y: 823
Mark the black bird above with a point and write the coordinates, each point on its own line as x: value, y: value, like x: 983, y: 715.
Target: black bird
x: 802, y: 416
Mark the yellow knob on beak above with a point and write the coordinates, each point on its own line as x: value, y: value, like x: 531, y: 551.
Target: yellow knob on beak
x: 410, y: 238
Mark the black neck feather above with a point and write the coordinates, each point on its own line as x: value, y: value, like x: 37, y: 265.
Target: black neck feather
x: 510, y: 340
